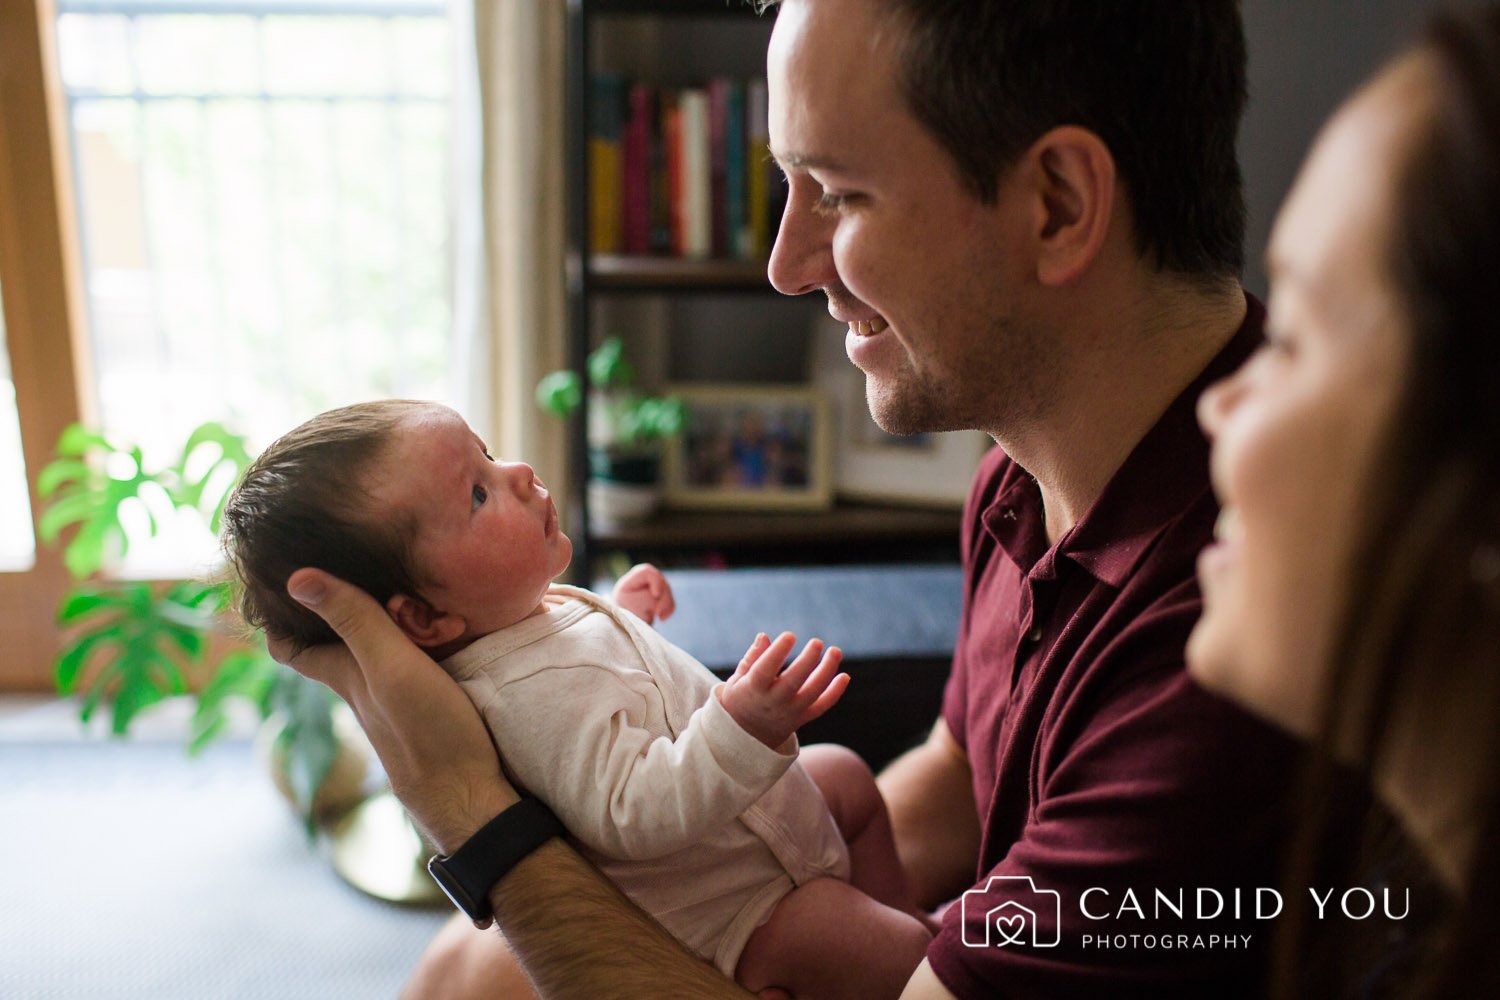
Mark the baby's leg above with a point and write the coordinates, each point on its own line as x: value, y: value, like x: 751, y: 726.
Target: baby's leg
x: 848, y: 786
x: 827, y: 940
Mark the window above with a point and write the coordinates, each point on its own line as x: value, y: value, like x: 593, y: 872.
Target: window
x: 262, y: 211
x: 263, y: 199
x: 17, y: 548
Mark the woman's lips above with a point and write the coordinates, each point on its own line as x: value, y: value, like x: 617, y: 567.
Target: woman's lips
x: 1218, y: 555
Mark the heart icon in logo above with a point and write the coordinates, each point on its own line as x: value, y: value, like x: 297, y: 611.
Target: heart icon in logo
x: 1010, y: 930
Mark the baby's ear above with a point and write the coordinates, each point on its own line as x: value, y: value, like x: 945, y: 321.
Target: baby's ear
x: 423, y: 624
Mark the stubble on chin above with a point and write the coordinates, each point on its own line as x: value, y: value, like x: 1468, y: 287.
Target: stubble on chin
x: 910, y: 407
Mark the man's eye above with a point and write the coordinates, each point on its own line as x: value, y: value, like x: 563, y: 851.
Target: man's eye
x: 478, y: 496
x: 831, y: 204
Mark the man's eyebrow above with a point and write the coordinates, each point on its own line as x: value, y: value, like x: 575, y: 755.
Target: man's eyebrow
x: 804, y: 161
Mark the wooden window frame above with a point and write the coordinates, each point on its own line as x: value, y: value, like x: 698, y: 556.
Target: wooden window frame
x: 41, y: 282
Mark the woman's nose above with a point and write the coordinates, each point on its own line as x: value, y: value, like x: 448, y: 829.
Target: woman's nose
x: 1217, y: 402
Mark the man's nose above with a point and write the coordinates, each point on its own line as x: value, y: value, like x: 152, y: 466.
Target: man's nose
x: 802, y: 259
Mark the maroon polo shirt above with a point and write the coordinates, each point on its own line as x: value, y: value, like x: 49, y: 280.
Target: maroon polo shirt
x: 1097, y: 762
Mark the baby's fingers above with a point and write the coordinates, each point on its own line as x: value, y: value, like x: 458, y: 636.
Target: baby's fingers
x: 821, y: 679
x: 826, y: 700
x: 767, y: 667
x: 802, y: 667
x: 757, y: 647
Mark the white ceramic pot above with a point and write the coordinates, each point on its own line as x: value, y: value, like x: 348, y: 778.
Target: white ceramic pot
x: 613, y: 504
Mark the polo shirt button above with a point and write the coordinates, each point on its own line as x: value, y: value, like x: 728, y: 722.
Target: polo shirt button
x: 1035, y: 635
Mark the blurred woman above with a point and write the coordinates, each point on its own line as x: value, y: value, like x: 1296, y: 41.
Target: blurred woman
x: 1353, y: 593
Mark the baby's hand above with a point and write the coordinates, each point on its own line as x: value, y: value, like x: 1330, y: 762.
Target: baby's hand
x: 770, y: 703
x: 644, y: 592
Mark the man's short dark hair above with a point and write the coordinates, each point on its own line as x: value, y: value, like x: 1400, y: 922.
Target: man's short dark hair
x: 1162, y: 82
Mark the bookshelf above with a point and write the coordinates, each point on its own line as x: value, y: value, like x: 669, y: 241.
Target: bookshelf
x: 666, y: 299
x: 626, y: 273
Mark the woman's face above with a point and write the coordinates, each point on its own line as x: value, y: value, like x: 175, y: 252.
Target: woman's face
x: 1297, y: 431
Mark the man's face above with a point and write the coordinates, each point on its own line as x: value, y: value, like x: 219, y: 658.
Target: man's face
x: 928, y: 278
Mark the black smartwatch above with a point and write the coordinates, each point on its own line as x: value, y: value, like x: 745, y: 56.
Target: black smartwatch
x: 469, y: 873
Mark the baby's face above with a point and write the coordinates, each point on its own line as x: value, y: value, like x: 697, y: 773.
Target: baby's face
x: 487, y: 542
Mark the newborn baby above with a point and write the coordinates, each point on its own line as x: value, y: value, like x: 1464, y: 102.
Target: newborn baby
x: 683, y: 790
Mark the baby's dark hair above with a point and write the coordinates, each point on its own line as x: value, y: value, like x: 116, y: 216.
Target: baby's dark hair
x: 303, y: 502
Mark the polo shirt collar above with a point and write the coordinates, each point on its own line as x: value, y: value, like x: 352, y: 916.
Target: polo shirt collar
x: 1161, y: 477
x: 1155, y: 484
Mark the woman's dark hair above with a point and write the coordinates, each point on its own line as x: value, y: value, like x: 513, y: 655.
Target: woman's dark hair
x: 1423, y: 607
x: 1162, y: 82
x: 303, y: 503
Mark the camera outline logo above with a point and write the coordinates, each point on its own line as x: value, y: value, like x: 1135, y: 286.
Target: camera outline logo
x: 997, y: 907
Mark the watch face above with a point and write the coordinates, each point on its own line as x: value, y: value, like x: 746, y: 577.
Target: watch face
x: 451, y: 888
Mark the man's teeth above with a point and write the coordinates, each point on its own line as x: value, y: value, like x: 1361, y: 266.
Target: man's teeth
x: 868, y: 327
x: 1228, y: 528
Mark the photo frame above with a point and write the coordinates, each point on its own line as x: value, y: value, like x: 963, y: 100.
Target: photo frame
x: 923, y: 470
x: 750, y: 447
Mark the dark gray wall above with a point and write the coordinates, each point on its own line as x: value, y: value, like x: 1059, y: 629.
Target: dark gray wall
x: 1306, y: 56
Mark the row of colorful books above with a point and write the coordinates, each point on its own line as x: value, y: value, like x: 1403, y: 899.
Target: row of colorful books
x: 681, y: 171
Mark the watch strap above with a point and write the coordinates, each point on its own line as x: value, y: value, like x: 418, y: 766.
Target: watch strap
x: 469, y: 873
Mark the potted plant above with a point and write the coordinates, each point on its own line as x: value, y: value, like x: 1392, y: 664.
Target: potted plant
x: 133, y: 643
x: 626, y: 430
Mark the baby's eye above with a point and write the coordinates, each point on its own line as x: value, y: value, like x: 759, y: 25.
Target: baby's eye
x: 478, y: 497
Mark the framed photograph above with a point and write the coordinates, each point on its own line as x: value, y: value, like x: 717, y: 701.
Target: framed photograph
x: 750, y: 446
x: 927, y: 470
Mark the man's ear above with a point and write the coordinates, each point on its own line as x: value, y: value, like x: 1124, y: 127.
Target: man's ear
x: 1074, y: 178
x: 423, y: 624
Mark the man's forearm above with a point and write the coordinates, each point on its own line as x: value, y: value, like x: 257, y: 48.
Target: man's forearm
x: 578, y: 937
x: 930, y: 797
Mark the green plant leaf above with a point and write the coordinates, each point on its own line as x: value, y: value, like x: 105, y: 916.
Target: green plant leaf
x: 95, y: 544
x: 608, y: 368
x: 191, y: 641
x: 193, y: 491
x: 134, y: 694
x: 62, y: 471
x: 212, y: 596
x: 164, y: 674
x: 70, y: 662
x: 76, y: 441
x: 70, y: 508
x: 193, y: 617
x: 308, y: 741
x: 87, y: 497
x: 90, y: 701
x: 559, y: 393
x: 142, y: 641
x: 81, y: 602
x: 245, y: 673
